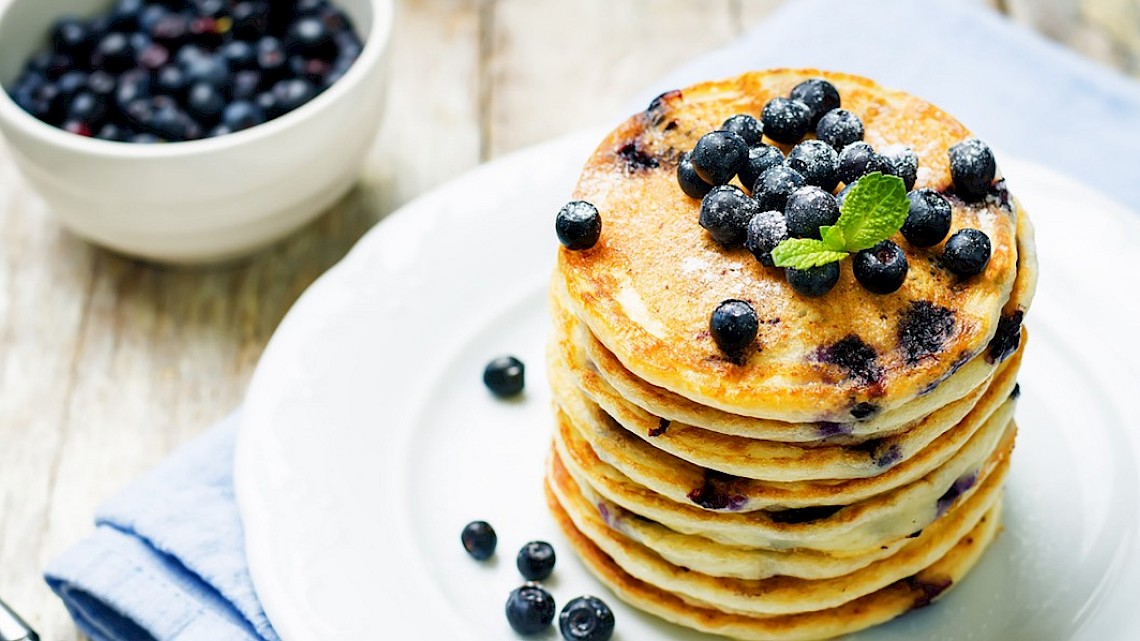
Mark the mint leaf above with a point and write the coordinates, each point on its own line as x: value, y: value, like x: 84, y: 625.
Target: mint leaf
x: 803, y: 253
x: 874, y: 209
x: 833, y: 238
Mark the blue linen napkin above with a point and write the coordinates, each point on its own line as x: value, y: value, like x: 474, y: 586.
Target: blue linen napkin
x: 166, y: 561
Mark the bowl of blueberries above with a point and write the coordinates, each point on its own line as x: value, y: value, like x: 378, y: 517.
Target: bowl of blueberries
x: 191, y: 131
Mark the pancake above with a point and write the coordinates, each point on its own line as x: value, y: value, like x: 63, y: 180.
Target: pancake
x: 842, y: 529
x: 571, y: 375
x: 902, y: 596
x: 647, y: 288
x: 773, y: 594
x: 674, y: 407
x: 639, y: 460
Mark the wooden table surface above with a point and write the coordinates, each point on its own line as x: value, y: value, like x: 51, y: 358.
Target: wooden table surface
x: 107, y: 364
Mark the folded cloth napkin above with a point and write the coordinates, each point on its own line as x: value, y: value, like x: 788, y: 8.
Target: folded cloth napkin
x: 166, y: 561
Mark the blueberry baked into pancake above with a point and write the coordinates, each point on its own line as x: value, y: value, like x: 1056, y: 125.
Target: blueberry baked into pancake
x: 787, y: 327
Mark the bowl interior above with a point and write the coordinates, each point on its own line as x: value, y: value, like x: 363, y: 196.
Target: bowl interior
x: 25, y: 23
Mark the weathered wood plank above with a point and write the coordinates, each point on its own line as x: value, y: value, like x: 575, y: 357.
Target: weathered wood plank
x: 559, y: 66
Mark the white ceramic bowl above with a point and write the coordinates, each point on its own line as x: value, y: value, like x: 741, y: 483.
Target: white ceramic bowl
x: 205, y: 200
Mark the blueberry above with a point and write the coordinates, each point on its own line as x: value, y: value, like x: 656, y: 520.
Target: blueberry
x: 77, y: 127
x: 161, y: 117
x: 734, y: 326
x: 250, y: 20
x: 839, y: 128
x: 210, y: 69
x: 242, y: 114
x: 972, y: 166
x: 902, y: 162
x: 268, y: 104
x: 725, y: 213
x: 246, y: 86
x: 928, y: 220
x: 171, y: 80
x: 586, y: 618
x: 536, y: 560
x: 760, y: 158
x: 219, y: 130
x: 313, y: 69
x: 170, y: 29
x: 816, y: 161
x: 766, y: 230
x: 967, y: 252
x: 693, y: 185
x: 88, y: 108
x: 479, y: 539
x: 775, y: 184
x: 880, y: 269
x: 857, y: 160
x: 114, y: 53
x: 745, y: 126
x: 786, y: 120
x: 578, y: 225
x: 239, y: 55
x: 132, y: 86
x: 505, y: 376
x: 101, y: 83
x: 125, y: 15
x: 205, y: 103
x: 291, y: 94
x: 718, y: 155
x: 152, y: 56
x: 113, y: 132
x: 819, y: 95
x: 70, y: 36
x: 144, y: 139
x: 530, y: 609
x: 808, y: 209
x: 271, y: 57
x: 309, y: 38
x: 71, y: 83
x: 814, y: 281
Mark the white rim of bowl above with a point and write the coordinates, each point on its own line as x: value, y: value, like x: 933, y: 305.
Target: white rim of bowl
x: 379, y: 38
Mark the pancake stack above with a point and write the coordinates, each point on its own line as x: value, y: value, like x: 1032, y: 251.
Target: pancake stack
x: 849, y: 467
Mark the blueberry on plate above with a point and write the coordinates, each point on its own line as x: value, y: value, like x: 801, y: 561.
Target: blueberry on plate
x: 479, y: 539
x: 586, y: 618
x: 536, y: 560
x: 734, y: 326
x: 819, y: 95
x: 239, y: 55
x: 973, y: 168
x: 786, y: 120
x: 578, y: 225
x: 505, y: 376
x: 816, y: 161
x: 902, y: 162
x: 760, y: 158
x: 530, y: 609
x: 114, y: 53
x: 718, y: 156
x: 967, y: 252
x: 857, y: 160
x: 808, y: 209
x: 70, y: 36
x: 774, y: 185
x: 880, y: 269
x: 745, y: 126
x: 725, y: 213
x: 839, y: 128
x: 766, y: 230
x: 814, y: 281
x: 928, y: 220
x: 693, y: 185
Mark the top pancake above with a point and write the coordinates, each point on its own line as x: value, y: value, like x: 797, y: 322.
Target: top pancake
x: 648, y: 287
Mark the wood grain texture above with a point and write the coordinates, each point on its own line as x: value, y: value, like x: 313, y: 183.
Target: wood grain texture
x: 107, y: 364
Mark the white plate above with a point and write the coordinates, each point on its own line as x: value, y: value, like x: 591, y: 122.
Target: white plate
x: 368, y: 440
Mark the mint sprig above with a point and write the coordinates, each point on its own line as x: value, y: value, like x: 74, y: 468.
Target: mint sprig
x: 874, y: 209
